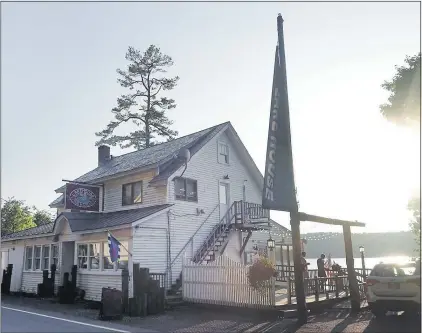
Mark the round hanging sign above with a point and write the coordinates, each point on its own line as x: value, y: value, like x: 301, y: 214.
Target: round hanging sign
x: 82, y: 197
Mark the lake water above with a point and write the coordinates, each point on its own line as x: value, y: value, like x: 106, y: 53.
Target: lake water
x: 369, y: 262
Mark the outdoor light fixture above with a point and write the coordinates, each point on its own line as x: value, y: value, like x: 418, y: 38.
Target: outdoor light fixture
x: 271, y: 244
x: 361, y: 249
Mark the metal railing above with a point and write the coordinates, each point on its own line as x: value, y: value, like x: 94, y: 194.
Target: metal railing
x: 194, y: 234
x: 215, y: 234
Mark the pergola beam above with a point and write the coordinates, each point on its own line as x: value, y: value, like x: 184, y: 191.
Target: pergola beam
x: 325, y: 220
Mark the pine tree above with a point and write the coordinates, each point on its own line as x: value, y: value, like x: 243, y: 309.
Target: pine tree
x: 142, y: 105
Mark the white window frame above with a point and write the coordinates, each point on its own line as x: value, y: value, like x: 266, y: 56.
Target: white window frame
x: 93, y: 256
x: 103, y: 247
x: 58, y: 255
x: 26, y: 258
x: 76, y: 257
x: 220, y: 153
x: 39, y: 258
x: 42, y: 257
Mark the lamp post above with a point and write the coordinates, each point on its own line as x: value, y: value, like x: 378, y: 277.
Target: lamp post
x: 271, y: 244
x: 362, y: 257
x: 271, y: 252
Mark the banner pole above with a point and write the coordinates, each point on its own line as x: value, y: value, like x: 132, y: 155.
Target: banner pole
x: 108, y: 231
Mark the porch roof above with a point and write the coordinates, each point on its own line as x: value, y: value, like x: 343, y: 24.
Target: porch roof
x: 92, y: 221
x: 84, y: 221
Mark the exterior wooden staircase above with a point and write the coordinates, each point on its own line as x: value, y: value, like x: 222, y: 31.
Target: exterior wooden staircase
x: 240, y: 216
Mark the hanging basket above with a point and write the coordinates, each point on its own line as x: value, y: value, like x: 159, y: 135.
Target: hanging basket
x: 260, y: 273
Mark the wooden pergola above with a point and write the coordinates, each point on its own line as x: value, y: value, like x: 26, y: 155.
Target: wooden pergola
x: 295, y: 219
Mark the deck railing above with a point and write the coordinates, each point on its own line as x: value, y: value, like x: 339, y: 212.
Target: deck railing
x: 329, y: 287
x: 288, y: 272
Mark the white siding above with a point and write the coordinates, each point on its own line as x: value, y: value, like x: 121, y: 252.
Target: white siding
x: 150, y: 249
x: 151, y: 195
x: 13, y: 254
x: 93, y: 282
x: 233, y: 247
x: 205, y: 168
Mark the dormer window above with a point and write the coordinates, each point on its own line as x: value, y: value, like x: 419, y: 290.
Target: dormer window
x: 132, y: 193
x: 186, y: 189
x: 223, y: 153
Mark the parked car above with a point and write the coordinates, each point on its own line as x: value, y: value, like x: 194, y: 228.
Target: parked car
x: 394, y: 287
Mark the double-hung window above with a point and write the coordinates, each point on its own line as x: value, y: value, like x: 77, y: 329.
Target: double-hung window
x: 55, y: 255
x: 41, y: 257
x: 186, y: 189
x: 37, y: 258
x: 28, y: 255
x: 123, y: 262
x: 223, y: 153
x: 89, y: 256
x: 46, y: 257
x: 132, y: 193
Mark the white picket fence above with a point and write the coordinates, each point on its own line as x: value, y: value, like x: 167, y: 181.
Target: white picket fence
x: 223, y: 282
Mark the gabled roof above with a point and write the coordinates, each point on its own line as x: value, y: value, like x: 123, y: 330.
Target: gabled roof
x: 79, y: 221
x: 157, y: 155
x: 58, y: 201
x: 281, y: 228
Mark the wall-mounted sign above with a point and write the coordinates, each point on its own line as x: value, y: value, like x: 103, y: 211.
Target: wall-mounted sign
x: 82, y: 197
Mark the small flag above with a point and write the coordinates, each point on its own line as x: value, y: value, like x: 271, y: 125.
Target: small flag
x: 114, y: 248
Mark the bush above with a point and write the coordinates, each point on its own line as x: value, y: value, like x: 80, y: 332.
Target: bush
x: 260, y: 273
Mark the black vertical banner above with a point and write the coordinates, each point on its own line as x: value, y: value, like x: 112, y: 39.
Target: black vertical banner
x: 279, y: 191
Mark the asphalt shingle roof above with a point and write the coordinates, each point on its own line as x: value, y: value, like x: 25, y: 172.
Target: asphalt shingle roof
x: 157, y: 154
x: 91, y: 221
x: 58, y: 201
x: 42, y: 229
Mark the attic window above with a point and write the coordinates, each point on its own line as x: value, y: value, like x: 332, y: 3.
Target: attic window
x: 186, y: 189
x: 223, y: 153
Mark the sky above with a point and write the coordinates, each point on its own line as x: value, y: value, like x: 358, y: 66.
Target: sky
x: 59, y: 83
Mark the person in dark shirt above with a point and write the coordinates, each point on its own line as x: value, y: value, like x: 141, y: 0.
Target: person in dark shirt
x: 321, y: 271
x: 321, y: 266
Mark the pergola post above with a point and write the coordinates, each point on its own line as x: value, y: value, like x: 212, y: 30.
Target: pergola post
x: 351, y: 274
x: 302, y: 312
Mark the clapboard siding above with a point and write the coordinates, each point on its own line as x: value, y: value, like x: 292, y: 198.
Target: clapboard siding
x: 151, y: 195
x: 30, y: 281
x: 150, y: 249
x: 93, y: 283
x: 204, y: 168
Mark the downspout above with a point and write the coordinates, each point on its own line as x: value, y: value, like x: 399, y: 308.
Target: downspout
x: 170, y: 279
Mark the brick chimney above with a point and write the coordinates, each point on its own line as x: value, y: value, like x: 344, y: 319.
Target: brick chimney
x: 103, y: 155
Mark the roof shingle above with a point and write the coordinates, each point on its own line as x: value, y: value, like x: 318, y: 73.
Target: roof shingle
x: 79, y: 221
x: 157, y: 154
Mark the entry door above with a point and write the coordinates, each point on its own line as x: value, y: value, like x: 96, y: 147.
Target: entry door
x: 224, y: 194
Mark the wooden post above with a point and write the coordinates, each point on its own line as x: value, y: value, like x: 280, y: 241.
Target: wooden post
x: 337, y: 286
x: 302, y: 312
x: 316, y: 289
x: 351, y: 274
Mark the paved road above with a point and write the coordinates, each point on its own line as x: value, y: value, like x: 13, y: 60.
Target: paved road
x: 18, y: 319
x: 364, y: 322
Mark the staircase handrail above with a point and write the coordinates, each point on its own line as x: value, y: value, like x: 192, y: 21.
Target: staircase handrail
x: 191, y: 238
x: 212, y: 235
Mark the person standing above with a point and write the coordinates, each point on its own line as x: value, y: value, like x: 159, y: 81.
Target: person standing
x: 305, y: 264
x: 321, y: 271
